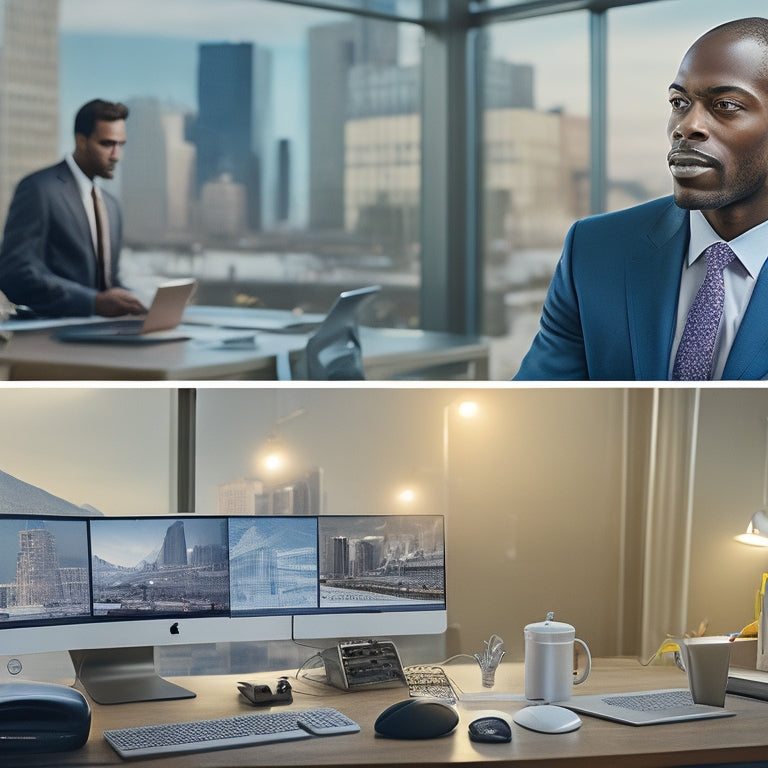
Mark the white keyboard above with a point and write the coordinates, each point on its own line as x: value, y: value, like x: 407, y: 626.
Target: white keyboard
x: 227, y: 732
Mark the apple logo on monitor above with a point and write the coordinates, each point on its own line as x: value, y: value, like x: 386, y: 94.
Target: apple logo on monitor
x: 175, y: 628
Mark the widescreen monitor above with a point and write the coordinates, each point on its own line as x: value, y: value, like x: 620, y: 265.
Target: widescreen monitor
x: 110, y: 589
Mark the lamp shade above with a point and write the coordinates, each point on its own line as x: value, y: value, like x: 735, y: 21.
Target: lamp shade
x: 757, y: 530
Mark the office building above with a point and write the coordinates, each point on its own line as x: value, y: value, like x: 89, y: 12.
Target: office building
x: 29, y: 91
x: 239, y: 497
x: 224, y: 205
x: 336, y: 557
x: 333, y: 50
x: 283, y: 195
x: 38, y: 580
x: 174, y: 548
x: 232, y: 130
x: 157, y: 176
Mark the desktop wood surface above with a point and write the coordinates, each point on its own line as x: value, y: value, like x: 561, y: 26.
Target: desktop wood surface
x: 32, y: 355
x: 597, y: 744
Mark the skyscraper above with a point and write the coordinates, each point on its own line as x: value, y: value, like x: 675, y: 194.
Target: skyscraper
x: 174, y: 550
x: 29, y: 90
x: 156, y: 177
x: 38, y: 580
x: 333, y: 50
x: 232, y: 126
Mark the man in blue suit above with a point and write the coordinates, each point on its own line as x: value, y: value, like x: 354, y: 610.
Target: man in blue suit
x: 636, y: 294
x: 61, y: 247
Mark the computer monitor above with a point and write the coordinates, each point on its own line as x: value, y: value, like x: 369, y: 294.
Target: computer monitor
x: 111, y: 589
x: 379, y: 575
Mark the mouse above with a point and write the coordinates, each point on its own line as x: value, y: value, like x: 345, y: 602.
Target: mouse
x: 417, y: 718
x: 492, y: 727
x: 547, y: 718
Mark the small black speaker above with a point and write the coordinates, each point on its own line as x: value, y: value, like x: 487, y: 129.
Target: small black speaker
x: 42, y: 717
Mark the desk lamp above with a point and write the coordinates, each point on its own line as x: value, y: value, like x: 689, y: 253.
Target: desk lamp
x: 757, y: 531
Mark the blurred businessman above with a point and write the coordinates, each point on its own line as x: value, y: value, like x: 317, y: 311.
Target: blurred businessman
x: 61, y: 247
x: 677, y: 288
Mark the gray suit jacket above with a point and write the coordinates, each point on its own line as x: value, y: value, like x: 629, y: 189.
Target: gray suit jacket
x: 47, y: 258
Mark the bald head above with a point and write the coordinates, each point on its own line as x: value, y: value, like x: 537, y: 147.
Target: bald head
x: 754, y: 29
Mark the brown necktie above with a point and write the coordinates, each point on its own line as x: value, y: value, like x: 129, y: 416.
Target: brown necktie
x: 102, y: 240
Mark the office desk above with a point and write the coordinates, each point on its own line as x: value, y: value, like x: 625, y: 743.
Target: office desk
x: 597, y: 744
x: 387, y: 353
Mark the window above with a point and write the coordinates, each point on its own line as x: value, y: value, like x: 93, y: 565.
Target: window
x: 535, y: 168
x: 83, y: 451
x: 262, y: 141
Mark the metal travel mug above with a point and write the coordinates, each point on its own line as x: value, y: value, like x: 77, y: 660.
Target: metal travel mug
x: 549, y: 661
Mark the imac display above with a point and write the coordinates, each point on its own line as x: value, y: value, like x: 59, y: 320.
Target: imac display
x: 111, y: 589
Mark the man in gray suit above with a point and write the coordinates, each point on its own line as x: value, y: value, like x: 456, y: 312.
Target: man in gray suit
x: 61, y: 247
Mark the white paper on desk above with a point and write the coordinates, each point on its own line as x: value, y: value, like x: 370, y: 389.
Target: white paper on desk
x: 45, y: 323
x: 252, y: 319
x: 219, y: 338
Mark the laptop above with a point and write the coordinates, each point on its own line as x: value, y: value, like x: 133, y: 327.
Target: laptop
x: 159, y: 324
x: 645, y: 707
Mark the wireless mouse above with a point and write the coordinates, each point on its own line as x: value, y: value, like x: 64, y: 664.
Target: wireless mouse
x: 417, y: 718
x: 490, y: 728
x: 547, y: 718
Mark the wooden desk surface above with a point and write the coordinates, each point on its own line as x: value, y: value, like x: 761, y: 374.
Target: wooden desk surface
x: 34, y: 356
x: 597, y: 744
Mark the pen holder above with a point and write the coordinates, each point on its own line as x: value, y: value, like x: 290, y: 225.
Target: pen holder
x: 489, y: 660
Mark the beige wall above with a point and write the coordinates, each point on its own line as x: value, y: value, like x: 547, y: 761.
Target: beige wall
x: 730, y: 468
x: 535, y: 517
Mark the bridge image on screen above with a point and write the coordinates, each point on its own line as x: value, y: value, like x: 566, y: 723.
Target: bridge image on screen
x: 143, y: 567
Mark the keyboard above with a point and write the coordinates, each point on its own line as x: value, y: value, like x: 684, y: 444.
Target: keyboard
x: 228, y: 732
x: 651, y: 702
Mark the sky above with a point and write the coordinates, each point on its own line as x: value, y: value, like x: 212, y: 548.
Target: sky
x: 128, y: 542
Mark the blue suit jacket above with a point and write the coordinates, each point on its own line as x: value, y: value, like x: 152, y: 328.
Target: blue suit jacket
x: 611, y: 308
x: 47, y: 258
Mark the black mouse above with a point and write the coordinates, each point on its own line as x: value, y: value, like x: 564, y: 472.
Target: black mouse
x: 491, y: 729
x: 417, y: 718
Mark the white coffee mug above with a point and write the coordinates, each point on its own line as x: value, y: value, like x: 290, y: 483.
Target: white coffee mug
x: 549, y: 661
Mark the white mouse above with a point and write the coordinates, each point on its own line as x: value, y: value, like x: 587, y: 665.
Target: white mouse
x: 547, y: 718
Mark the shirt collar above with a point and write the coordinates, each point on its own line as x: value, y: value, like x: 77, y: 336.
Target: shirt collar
x: 751, y: 248
x: 83, y: 182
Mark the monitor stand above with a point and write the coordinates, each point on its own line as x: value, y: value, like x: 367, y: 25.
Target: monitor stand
x: 122, y: 675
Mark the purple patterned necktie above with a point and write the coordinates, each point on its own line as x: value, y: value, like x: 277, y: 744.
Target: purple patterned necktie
x: 697, y: 345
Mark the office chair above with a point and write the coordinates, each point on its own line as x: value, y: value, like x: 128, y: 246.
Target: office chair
x: 333, y: 353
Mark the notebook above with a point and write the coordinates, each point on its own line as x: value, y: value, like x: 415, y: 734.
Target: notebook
x: 159, y: 324
x: 645, y: 707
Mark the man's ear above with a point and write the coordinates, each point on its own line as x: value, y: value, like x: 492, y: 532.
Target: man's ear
x: 80, y: 142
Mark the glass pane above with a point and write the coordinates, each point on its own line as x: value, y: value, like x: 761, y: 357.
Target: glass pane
x: 638, y: 84
x: 535, y: 165
x: 84, y: 451
x: 273, y: 149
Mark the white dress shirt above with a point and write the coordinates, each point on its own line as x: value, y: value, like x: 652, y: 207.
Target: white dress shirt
x: 85, y: 185
x: 751, y: 249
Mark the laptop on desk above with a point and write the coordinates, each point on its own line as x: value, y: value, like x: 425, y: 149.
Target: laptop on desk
x: 645, y: 707
x: 159, y: 324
